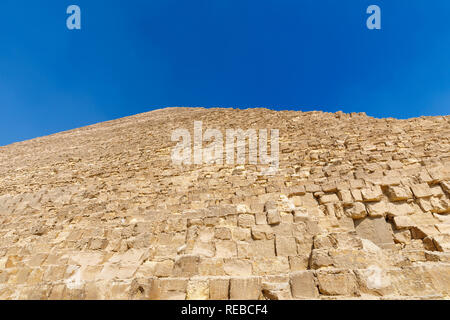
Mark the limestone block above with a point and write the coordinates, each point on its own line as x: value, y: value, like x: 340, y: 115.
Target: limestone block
x: 57, y: 292
x: 132, y: 256
x: 442, y: 242
x: 345, y: 196
x: 270, y: 265
x: 35, y: 277
x: 423, y: 231
x: 376, y: 230
x: 403, y: 222
x: 223, y: 233
x: 53, y: 273
x: 226, y: 249
x: 303, y: 285
x: 395, y: 164
x: 258, y: 248
x: 287, y: 217
x: 89, y: 273
x: 437, y: 191
x: 402, y: 236
x: 197, y: 289
x: 329, y: 198
x: 409, y: 281
x: 446, y: 186
x: 270, y: 205
x: 399, y: 193
x: 186, y: 266
x: 356, y: 211
x: 299, y: 262
x: 371, y: 194
x: 211, y: 267
x: 237, y: 267
x: 273, y: 217
x: 262, y: 232
x: 245, y: 288
x: 219, y: 288
x: 241, y: 234
x: 439, y: 275
x: 356, y: 194
x: 285, y: 246
x: 440, y: 205
x: 374, y: 281
x: 308, y: 201
x: 337, y: 283
x: 323, y: 241
x: 377, y: 209
x: 421, y: 190
x: 114, y: 271
x: 242, y: 208
x: 425, y: 204
x: 140, y: 289
x: 276, y: 290
x: 204, y: 249
x: 311, y: 187
x: 423, y: 218
x: 400, y: 209
x: 443, y: 227
x: 296, y: 191
x: 246, y: 220
x: 168, y: 289
x: 261, y: 218
x: 176, y: 225
x: 36, y: 260
x: 311, y: 223
x: 320, y: 259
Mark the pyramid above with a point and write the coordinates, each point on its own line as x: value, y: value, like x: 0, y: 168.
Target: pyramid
x: 357, y: 208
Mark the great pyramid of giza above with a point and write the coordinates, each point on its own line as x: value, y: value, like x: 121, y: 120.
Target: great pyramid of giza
x: 358, y: 208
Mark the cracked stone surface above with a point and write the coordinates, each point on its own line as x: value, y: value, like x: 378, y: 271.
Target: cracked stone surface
x: 360, y: 208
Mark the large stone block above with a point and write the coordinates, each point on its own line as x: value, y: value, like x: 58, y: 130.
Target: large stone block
x: 168, y: 289
x: 237, y: 267
x: 186, y: 266
x: 245, y: 288
x: 376, y: 230
x: 421, y: 190
x: 219, y: 288
x: 357, y: 211
x: 303, y: 285
x: 337, y: 283
x: 285, y: 246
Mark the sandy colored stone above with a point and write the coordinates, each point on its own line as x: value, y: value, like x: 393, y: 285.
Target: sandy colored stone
x: 245, y: 288
x: 359, y: 206
x: 303, y: 285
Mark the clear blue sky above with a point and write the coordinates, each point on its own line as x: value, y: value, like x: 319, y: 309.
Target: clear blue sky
x: 135, y: 56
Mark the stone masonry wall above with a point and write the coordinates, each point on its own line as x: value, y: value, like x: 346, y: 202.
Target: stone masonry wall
x: 359, y: 208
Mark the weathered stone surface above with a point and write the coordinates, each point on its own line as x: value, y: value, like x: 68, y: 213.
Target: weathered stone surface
x: 303, y: 285
x: 421, y: 190
x: 337, y: 283
x: 219, y: 288
x: 357, y: 211
x: 361, y: 208
x: 286, y: 246
x: 399, y: 193
x: 375, y: 229
x: 245, y: 288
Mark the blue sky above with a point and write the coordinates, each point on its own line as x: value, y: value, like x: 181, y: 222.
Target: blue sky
x: 135, y: 56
